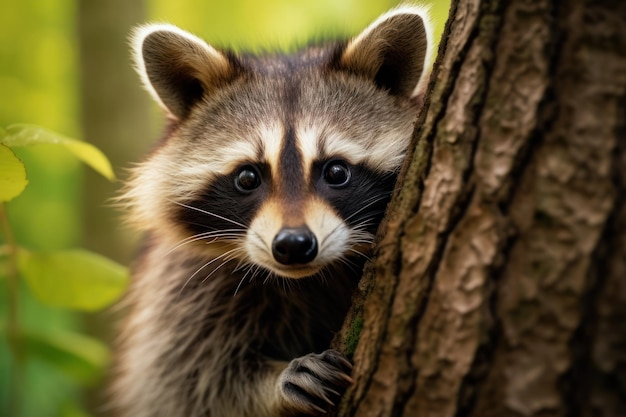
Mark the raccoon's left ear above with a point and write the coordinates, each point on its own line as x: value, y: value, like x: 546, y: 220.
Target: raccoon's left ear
x: 394, y: 51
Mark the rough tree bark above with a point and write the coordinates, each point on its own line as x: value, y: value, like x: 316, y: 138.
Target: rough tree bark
x: 499, y: 288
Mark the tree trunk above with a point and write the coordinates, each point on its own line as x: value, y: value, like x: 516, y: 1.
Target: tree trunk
x: 499, y: 288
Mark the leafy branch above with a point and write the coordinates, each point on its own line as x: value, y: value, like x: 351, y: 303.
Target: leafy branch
x: 73, y: 279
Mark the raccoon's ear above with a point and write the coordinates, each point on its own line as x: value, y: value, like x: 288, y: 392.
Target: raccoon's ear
x: 394, y: 51
x: 178, y: 68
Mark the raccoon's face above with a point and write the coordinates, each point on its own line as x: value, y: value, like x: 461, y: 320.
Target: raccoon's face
x: 284, y: 163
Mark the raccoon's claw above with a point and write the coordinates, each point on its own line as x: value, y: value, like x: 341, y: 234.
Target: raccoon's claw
x: 313, y: 383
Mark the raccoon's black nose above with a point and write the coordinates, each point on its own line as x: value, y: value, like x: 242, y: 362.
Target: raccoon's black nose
x: 294, y: 246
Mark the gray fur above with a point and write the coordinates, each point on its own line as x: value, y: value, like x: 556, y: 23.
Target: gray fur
x: 216, y: 326
x: 209, y: 362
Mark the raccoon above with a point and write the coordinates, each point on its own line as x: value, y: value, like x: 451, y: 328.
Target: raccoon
x: 259, y: 209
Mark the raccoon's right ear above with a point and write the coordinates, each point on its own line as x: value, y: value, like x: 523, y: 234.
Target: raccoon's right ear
x: 178, y: 68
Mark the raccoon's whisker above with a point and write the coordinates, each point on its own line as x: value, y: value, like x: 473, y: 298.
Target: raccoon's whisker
x: 360, y: 229
x: 244, y: 228
x: 322, y: 245
x: 265, y: 246
x: 226, y: 257
x: 368, y: 203
x: 361, y: 226
x: 271, y: 276
x: 357, y: 234
x: 364, y: 240
x: 323, y: 274
x: 241, y: 264
x: 250, y: 270
x: 288, y: 284
x: 369, y: 216
x: 360, y: 232
x: 347, y: 262
x: 209, y: 213
x: 361, y: 223
x: 256, y: 270
x: 240, y: 282
x: 197, y: 272
x: 359, y: 253
x: 227, y: 233
x: 217, y: 258
x: 243, y: 278
x: 257, y: 246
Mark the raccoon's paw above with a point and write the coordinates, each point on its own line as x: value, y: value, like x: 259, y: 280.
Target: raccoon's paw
x: 313, y: 383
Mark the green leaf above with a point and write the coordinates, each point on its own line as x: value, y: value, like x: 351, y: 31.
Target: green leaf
x: 75, y: 279
x: 26, y: 135
x: 12, y: 175
x: 78, y: 356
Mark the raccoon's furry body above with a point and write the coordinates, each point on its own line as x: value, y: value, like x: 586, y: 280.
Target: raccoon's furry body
x: 259, y: 208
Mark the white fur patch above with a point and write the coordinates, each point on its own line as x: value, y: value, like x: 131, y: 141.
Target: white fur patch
x: 308, y: 143
x: 271, y: 138
x: 381, y: 152
x: 334, y: 238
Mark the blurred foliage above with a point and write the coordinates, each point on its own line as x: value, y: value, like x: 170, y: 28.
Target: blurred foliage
x: 39, y: 81
x: 255, y: 26
x: 69, y: 279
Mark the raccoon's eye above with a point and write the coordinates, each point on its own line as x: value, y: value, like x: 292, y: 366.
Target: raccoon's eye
x: 247, y: 179
x: 336, y: 173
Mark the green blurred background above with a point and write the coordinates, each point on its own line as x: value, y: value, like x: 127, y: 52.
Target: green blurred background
x: 64, y: 65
